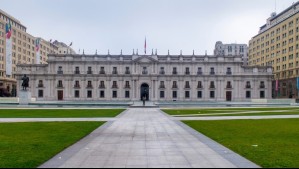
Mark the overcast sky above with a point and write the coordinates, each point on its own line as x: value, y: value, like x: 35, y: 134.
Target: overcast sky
x: 123, y: 24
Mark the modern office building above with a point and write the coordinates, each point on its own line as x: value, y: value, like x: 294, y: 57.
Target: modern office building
x: 233, y: 49
x: 159, y: 78
x: 277, y: 45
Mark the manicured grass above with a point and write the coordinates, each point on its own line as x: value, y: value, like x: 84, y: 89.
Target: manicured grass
x: 268, y: 143
x: 217, y: 112
x: 28, y: 145
x: 59, y: 113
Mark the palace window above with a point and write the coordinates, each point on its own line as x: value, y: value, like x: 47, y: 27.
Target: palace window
x: 77, y: 70
x: 162, y: 94
x: 187, y: 71
x: 199, y: 71
x: 127, y: 72
x: 60, y: 84
x: 102, y: 85
x: 212, y: 94
x: 212, y: 85
x: 262, y: 94
x: 114, y: 85
x: 102, y: 94
x: 199, y: 94
x: 114, y: 94
x: 212, y: 71
x: 187, y: 94
x: 114, y: 71
x: 127, y: 94
x: 77, y: 84
x: 187, y: 85
x: 229, y: 71
x: 262, y: 85
x: 174, y: 94
x: 89, y: 94
x: 89, y: 71
x: 248, y: 94
x: 60, y: 71
x: 229, y: 85
x: 162, y: 85
x: 102, y: 71
x: 40, y: 83
x: 174, y: 71
x: 89, y: 84
x: 77, y: 93
x: 144, y: 71
x: 174, y: 85
x: 162, y: 71
x: 40, y: 93
x: 199, y: 85
x: 248, y: 86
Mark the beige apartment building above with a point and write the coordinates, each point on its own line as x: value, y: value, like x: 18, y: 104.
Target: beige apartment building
x: 23, y: 51
x: 277, y: 45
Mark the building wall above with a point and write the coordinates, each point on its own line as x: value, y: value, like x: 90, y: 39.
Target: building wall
x: 23, y: 50
x: 49, y: 76
x: 232, y: 50
x: 277, y: 45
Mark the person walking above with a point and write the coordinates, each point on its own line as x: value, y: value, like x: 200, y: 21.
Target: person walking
x: 143, y: 99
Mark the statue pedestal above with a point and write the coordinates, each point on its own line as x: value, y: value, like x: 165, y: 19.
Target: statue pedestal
x: 24, y: 97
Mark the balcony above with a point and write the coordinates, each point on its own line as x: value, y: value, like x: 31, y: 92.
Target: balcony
x: 60, y: 72
x: 229, y: 73
x: 77, y: 72
x: 174, y: 87
x: 102, y: 72
x: 162, y: 86
x: 162, y: 72
x: 40, y: 85
x: 199, y: 73
x: 114, y: 72
x: 187, y: 87
x: 187, y: 73
x: 89, y: 86
x: 114, y: 87
x: 212, y: 87
x: 59, y: 86
x: 77, y: 86
x: 102, y: 87
x: 174, y: 73
x: 248, y: 86
x: 212, y: 73
x: 262, y: 86
x: 199, y: 86
x: 127, y: 87
x: 229, y: 86
x: 145, y: 72
x: 127, y: 72
x: 89, y: 72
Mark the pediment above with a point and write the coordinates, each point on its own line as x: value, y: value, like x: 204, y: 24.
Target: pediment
x: 145, y: 59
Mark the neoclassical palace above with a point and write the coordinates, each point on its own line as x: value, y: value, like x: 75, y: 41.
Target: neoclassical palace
x: 158, y: 78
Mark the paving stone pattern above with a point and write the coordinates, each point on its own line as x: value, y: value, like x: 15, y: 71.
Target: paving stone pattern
x: 140, y: 138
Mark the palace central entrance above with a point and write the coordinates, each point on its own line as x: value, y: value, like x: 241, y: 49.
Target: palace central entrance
x: 144, y: 91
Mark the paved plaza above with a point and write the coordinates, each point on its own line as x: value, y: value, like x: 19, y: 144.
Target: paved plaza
x: 146, y: 138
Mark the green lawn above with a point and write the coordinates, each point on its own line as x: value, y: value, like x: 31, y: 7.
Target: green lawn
x: 28, y: 145
x: 241, y: 111
x: 59, y: 113
x: 277, y: 140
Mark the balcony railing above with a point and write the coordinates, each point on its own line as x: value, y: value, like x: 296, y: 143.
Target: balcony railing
x: 212, y: 87
x: 89, y: 72
x: 212, y: 73
x: 162, y: 87
x: 77, y: 72
x: 229, y: 86
x: 89, y: 86
x: 40, y: 85
x: 127, y: 87
x: 102, y: 87
x: 187, y: 86
x: 127, y: 72
x: 59, y: 86
x: 187, y: 73
x: 262, y: 86
x: 144, y: 72
x: 199, y: 73
x: 114, y: 72
x: 229, y: 73
x: 162, y: 72
x: 102, y: 72
x: 199, y: 86
x: 174, y: 73
x: 174, y: 86
x: 114, y: 87
x: 77, y: 86
x: 59, y: 72
x: 248, y: 86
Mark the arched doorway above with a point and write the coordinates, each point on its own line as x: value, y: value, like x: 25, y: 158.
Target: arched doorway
x: 144, y: 91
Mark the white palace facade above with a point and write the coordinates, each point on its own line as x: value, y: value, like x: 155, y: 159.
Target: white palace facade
x: 71, y: 77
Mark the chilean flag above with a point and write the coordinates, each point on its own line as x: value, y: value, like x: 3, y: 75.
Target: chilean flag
x: 8, y: 30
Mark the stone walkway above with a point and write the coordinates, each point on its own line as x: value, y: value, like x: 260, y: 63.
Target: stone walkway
x: 146, y: 138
